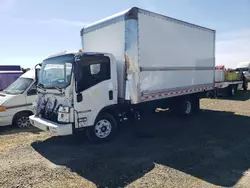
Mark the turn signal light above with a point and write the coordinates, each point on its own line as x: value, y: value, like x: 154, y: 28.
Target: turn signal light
x: 2, y: 108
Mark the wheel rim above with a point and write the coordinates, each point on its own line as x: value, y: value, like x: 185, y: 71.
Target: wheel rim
x: 188, y: 107
x: 23, y: 122
x: 103, y: 128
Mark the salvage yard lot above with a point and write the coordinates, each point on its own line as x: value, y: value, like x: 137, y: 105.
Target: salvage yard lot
x: 210, y: 149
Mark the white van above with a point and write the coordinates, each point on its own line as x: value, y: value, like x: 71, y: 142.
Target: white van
x: 16, y: 101
x: 245, y: 67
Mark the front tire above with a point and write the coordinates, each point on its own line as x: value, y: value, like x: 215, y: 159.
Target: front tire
x: 104, y: 128
x: 21, y: 120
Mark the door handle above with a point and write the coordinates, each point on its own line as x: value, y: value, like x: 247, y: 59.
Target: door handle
x: 111, y: 95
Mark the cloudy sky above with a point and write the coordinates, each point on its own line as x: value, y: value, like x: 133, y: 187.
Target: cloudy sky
x: 31, y: 30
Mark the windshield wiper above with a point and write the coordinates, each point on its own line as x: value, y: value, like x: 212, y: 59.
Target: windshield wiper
x: 58, y: 88
x: 41, y: 86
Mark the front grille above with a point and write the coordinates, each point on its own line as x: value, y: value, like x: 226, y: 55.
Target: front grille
x: 49, y: 115
x: 49, y: 110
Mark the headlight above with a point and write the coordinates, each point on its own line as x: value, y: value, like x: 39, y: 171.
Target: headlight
x: 63, y: 117
x: 63, y: 114
x: 2, y: 108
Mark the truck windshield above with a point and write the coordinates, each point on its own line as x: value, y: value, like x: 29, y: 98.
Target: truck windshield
x: 19, y: 86
x: 56, y: 72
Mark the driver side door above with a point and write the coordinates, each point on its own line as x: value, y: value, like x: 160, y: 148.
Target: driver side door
x: 96, y: 87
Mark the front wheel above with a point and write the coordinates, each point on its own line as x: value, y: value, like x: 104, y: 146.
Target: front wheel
x: 104, y: 128
x: 22, y: 120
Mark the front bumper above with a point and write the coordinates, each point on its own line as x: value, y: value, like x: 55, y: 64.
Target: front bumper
x: 5, y: 120
x: 51, y: 127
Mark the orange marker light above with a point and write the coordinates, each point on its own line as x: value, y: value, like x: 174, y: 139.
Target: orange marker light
x: 2, y: 108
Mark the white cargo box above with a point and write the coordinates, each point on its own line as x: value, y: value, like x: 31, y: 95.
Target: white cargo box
x: 157, y: 56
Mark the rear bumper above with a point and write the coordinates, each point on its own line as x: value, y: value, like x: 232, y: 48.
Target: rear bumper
x: 51, y: 127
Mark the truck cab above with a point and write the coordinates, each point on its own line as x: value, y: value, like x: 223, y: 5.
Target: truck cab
x: 73, y: 89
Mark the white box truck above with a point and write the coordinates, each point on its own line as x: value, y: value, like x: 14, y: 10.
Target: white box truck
x: 131, y: 62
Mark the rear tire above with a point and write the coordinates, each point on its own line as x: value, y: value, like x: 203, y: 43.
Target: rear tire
x: 104, y: 128
x: 186, y: 106
x: 21, y: 120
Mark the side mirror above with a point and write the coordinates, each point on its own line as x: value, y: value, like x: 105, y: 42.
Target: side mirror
x: 32, y: 91
x: 37, y: 71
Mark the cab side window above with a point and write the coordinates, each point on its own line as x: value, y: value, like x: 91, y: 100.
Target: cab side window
x: 92, y: 70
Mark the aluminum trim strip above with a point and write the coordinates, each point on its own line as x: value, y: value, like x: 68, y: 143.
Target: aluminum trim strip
x: 132, y: 61
x: 177, y: 89
x: 174, y: 93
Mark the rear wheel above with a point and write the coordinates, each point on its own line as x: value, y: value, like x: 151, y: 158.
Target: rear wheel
x: 104, y: 128
x: 186, y: 106
x: 21, y: 120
